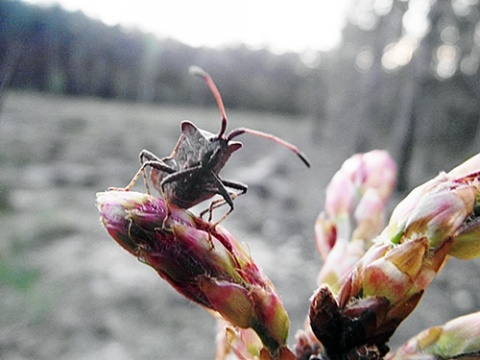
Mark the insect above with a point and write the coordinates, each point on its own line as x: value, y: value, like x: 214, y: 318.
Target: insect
x: 190, y: 174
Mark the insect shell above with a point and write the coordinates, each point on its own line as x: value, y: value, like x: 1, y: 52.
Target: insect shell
x: 197, y: 159
x: 190, y: 174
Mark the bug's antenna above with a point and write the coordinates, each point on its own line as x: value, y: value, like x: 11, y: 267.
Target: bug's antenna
x: 240, y: 131
x: 197, y: 71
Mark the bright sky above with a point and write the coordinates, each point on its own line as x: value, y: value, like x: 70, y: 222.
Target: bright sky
x: 299, y: 25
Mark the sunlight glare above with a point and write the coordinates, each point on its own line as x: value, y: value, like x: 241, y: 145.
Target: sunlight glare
x: 282, y: 26
x: 450, y: 35
x: 400, y: 53
x: 361, y: 16
x: 382, y: 7
x: 447, y: 60
x: 463, y: 8
x: 311, y: 59
x: 364, y: 60
x: 415, y: 19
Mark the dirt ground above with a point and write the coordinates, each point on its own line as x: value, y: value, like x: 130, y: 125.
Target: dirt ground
x: 68, y: 291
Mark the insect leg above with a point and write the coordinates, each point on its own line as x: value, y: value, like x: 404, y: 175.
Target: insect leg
x: 157, y: 164
x: 222, y: 190
x: 236, y: 185
x: 227, y: 197
x: 145, y: 154
x: 220, y: 202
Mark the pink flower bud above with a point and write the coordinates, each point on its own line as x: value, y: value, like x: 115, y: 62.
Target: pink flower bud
x: 208, y: 266
x: 354, y: 213
x: 436, y: 220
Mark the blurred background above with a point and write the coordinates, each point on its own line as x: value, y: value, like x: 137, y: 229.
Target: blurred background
x: 85, y: 86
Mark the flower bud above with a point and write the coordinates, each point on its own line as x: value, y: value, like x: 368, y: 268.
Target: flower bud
x: 354, y: 213
x: 436, y: 220
x: 206, y: 265
x: 457, y: 337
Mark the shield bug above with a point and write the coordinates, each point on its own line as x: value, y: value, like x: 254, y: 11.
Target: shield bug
x: 190, y: 174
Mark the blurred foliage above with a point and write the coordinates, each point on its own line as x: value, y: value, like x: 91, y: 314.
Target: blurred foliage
x: 13, y: 272
x: 5, y: 204
x: 416, y: 78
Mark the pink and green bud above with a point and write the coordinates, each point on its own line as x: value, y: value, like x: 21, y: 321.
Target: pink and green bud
x: 381, y: 173
x: 354, y: 213
x: 444, y: 209
x: 440, y: 214
x: 467, y: 244
x: 244, y: 343
x: 405, y: 260
x: 374, y: 171
x: 325, y: 234
x: 457, y: 338
x: 206, y: 265
x: 393, y: 276
x: 340, y: 261
x: 341, y: 195
x: 369, y: 216
x: 463, y: 180
x: 436, y: 220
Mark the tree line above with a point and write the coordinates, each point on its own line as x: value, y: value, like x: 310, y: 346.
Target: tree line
x: 405, y: 77
x: 69, y: 53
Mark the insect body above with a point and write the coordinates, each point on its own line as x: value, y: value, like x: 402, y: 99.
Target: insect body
x: 190, y: 174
